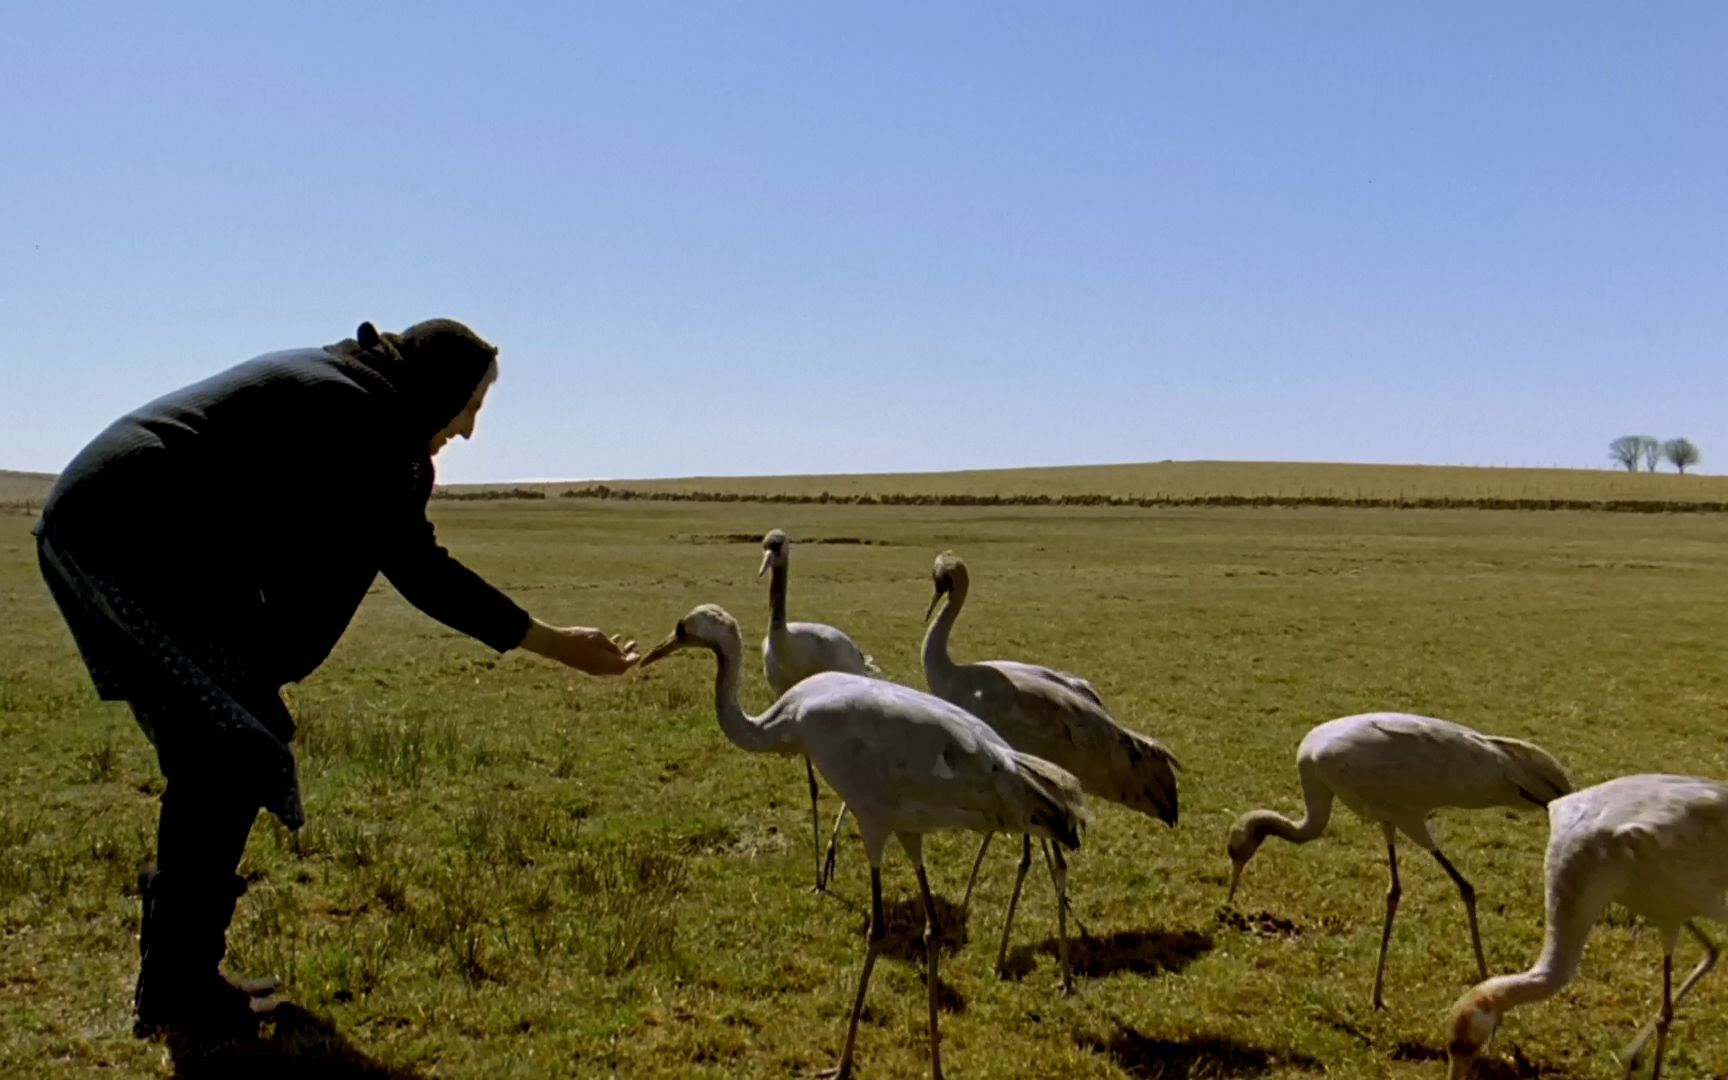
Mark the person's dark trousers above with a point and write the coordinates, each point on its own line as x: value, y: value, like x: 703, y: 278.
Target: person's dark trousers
x: 189, y: 896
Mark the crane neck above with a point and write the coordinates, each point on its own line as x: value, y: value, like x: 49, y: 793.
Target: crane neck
x: 936, y: 657
x: 1504, y: 992
x: 740, y: 728
x: 1272, y: 823
x: 777, y: 595
x: 1317, y: 811
x: 1574, y: 905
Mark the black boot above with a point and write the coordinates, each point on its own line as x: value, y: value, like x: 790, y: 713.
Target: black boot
x: 181, y: 942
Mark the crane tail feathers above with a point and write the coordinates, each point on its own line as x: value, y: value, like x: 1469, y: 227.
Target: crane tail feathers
x: 1148, y: 777
x: 1058, y: 804
x: 1536, y: 773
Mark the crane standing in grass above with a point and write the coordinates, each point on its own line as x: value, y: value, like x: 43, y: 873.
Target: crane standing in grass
x: 1396, y: 769
x: 906, y: 763
x: 1055, y: 716
x: 791, y: 653
x: 1657, y: 845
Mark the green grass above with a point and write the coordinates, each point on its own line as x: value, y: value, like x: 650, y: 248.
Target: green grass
x: 511, y: 870
x: 24, y: 487
x: 1187, y: 480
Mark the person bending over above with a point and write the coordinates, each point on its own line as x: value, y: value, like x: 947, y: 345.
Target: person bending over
x: 213, y: 545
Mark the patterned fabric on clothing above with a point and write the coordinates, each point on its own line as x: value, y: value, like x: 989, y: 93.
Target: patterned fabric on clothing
x: 203, y: 711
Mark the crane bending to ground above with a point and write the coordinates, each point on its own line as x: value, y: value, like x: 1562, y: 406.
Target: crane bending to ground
x: 791, y: 653
x: 1395, y: 769
x: 1656, y: 844
x: 905, y: 762
x: 1052, y: 715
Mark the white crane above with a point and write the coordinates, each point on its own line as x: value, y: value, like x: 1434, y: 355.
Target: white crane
x: 1395, y: 769
x: 1656, y: 844
x: 791, y: 653
x: 906, y: 763
x: 1050, y: 714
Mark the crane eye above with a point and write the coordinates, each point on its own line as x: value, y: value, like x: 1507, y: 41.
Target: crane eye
x: 679, y: 633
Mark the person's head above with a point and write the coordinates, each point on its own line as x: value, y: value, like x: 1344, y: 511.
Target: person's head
x: 463, y: 423
x: 441, y: 370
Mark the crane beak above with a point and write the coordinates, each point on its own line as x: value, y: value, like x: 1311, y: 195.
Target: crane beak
x: 1235, y: 879
x: 661, y: 651
x: 941, y: 591
x: 767, y: 557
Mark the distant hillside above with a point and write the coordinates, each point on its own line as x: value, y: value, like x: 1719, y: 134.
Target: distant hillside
x: 1192, y: 480
x: 1173, y: 481
x: 17, y: 488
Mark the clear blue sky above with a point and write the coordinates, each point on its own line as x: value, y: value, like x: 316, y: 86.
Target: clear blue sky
x: 791, y: 237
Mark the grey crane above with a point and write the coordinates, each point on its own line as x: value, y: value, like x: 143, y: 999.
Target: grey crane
x: 791, y: 653
x: 1396, y: 769
x: 1053, y: 715
x: 1657, y: 845
x: 906, y: 763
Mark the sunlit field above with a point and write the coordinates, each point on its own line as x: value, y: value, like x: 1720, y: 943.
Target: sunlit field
x: 1188, y: 480
x: 514, y: 871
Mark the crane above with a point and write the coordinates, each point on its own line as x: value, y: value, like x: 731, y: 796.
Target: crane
x: 1396, y: 769
x: 905, y: 762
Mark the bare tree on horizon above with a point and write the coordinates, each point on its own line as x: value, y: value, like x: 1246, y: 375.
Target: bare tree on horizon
x: 1627, y: 450
x: 1681, y: 452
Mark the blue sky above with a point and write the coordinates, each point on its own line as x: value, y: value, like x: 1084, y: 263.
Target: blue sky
x: 762, y: 238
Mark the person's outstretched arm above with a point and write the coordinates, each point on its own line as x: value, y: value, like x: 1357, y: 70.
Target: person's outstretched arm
x: 431, y: 579
x: 581, y: 647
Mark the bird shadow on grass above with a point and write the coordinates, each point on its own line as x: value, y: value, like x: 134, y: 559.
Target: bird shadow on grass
x: 904, y: 938
x: 1138, y: 952
x: 296, y: 1044
x: 1493, y: 1067
x: 1211, y: 1056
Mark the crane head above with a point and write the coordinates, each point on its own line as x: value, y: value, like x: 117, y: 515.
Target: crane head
x: 949, y: 576
x: 775, y: 548
x: 1246, y: 836
x: 706, y: 627
x: 1475, y: 1019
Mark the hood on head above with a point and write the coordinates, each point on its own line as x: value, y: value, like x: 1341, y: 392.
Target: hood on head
x: 433, y: 366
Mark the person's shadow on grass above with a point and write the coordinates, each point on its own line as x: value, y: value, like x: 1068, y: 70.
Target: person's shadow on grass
x: 295, y: 1044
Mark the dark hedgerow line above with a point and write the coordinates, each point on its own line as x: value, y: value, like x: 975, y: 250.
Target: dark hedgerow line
x: 1623, y: 506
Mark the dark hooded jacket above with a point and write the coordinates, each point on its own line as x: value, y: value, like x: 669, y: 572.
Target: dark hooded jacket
x: 256, y: 508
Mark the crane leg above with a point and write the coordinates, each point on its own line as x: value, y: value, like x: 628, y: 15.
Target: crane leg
x: 932, y: 950
x: 833, y: 847
x: 878, y: 930
x: 1665, y: 1018
x: 1469, y: 894
x: 1635, y: 1049
x: 1062, y: 886
x: 966, y: 901
x: 815, y: 825
x: 1392, y: 895
x: 1013, y: 902
x: 1059, y: 877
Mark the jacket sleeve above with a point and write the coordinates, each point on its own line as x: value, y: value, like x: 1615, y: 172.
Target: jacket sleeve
x: 432, y: 580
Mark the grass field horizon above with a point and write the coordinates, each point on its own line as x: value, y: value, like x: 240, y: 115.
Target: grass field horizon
x: 514, y: 871
x: 1342, y: 482
x: 1191, y: 479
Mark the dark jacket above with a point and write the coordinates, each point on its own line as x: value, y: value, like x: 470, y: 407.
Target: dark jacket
x: 256, y: 508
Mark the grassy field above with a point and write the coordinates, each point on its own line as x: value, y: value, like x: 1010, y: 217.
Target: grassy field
x: 512, y: 871
x: 24, y: 487
x: 1200, y: 479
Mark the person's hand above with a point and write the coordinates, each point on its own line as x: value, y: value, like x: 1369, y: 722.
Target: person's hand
x: 581, y: 647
